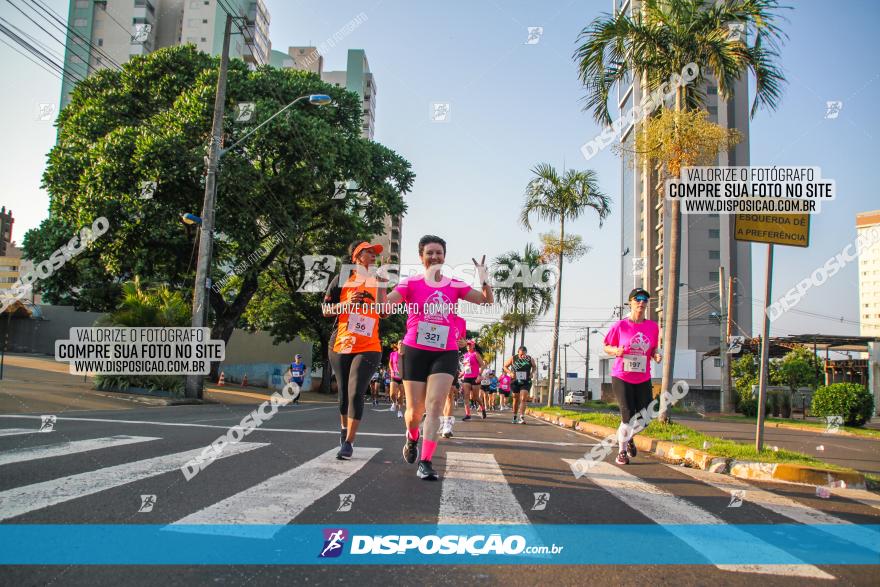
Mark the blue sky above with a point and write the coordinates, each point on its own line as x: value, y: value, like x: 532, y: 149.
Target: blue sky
x: 514, y: 105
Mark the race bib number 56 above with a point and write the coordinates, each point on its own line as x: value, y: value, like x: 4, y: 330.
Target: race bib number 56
x: 361, y: 325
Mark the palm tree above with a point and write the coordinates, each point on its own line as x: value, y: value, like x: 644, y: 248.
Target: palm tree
x: 659, y: 41
x: 526, y: 301
x: 552, y: 197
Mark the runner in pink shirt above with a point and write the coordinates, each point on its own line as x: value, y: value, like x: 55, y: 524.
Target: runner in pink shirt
x: 448, y: 420
x: 634, y: 342
x: 430, y: 347
x: 396, y: 381
x: 471, y: 367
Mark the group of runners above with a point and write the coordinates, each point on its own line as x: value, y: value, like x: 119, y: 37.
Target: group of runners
x: 434, y: 361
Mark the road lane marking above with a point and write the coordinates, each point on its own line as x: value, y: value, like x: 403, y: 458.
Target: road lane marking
x: 294, y: 430
x: 675, y: 513
x: 21, y: 500
x: 69, y: 448
x: 279, y: 499
x: 18, y: 431
x: 786, y: 506
x: 475, y: 491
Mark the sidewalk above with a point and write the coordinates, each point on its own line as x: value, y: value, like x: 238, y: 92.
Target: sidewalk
x: 861, y: 454
x: 39, y: 384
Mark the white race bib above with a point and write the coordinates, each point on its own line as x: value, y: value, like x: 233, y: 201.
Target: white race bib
x: 361, y: 325
x: 521, y: 375
x: 432, y: 335
x: 635, y: 363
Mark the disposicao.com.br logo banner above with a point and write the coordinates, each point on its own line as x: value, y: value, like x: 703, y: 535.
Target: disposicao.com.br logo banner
x: 515, y: 544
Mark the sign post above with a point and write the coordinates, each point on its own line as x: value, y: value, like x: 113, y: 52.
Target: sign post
x: 773, y: 229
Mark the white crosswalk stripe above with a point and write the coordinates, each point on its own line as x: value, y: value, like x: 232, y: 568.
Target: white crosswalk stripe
x: 672, y: 512
x: 785, y: 506
x: 280, y: 499
x: 475, y: 491
x: 19, y: 431
x: 21, y: 500
x: 69, y: 448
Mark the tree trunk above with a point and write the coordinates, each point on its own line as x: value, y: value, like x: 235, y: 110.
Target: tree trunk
x: 670, y: 291
x: 226, y: 315
x: 325, y: 372
x: 555, y: 347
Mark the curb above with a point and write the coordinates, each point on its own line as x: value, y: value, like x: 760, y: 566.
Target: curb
x: 680, y: 454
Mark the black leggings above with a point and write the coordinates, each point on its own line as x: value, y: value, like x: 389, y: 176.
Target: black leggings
x: 353, y: 373
x: 631, y: 397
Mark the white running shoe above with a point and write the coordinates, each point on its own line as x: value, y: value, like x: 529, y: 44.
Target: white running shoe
x: 392, y: 408
x: 521, y: 420
x: 446, y: 431
x: 399, y: 414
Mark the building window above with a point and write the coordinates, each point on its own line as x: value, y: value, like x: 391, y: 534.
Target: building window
x: 75, y: 59
x: 714, y: 233
x: 204, y: 21
x: 82, y: 3
x: 716, y: 362
x: 100, y: 42
x: 204, y: 39
x: 80, y: 22
x: 192, y: 22
x: 714, y: 254
x: 713, y: 276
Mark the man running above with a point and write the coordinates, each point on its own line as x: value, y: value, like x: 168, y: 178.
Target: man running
x: 297, y: 371
x: 520, y: 368
x: 472, y: 364
x: 430, y: 348
x: 633, y: 341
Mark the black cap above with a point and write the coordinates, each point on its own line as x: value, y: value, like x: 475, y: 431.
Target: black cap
x: 638, y: 291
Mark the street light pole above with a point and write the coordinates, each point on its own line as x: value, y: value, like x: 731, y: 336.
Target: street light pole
x: 202, y: 283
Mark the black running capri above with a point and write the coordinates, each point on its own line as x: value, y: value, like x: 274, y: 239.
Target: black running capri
x: 631, y: 397
x: 353, y: 373
x: 418, y: 364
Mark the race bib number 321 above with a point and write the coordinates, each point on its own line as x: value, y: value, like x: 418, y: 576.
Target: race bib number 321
x: 432, y: 335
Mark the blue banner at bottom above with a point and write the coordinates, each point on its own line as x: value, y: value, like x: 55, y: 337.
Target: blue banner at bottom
x: 632, y: 544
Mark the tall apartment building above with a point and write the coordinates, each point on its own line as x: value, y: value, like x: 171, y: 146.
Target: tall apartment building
x: 104, y: 33
x: 355, y: 78
x: 707, y: 241
x: 869, y: 275
x: 10, y: 255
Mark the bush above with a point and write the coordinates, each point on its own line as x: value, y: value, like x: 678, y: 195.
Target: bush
x: 850, y: 400
x: 748, y: 407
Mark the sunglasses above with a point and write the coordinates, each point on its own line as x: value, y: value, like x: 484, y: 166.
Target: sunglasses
x: 640, y: 299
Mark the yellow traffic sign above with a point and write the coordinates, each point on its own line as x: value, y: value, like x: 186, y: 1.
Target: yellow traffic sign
x: 774, y: 229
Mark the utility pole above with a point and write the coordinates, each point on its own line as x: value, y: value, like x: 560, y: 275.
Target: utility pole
x: 565, y: 364
x: 731, y: 399
x: 587, y: 367
x: 194, y: 383
x: 722, y: 341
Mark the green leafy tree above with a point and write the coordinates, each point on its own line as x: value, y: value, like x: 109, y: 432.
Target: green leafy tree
x: 522, y: 287
x: 151, y: 124
x: 146, y: 306
x: 561, y: 198
x: 656, y: 42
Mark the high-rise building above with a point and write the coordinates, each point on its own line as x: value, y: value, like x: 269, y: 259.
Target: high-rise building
x: 869, y: 274
x: 707, y: 240
x: 10, y: 255
x: 355, y: 78
x: 106, y: 33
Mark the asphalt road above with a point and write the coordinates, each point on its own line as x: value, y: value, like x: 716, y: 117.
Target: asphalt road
x: 282, y: 473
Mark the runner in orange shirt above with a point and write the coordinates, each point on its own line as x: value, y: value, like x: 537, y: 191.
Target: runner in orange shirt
x: 356, y: 351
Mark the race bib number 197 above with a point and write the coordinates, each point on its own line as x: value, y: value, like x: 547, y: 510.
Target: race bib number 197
x: 635, y: 363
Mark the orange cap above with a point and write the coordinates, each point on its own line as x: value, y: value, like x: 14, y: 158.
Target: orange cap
x: 377, y: 248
